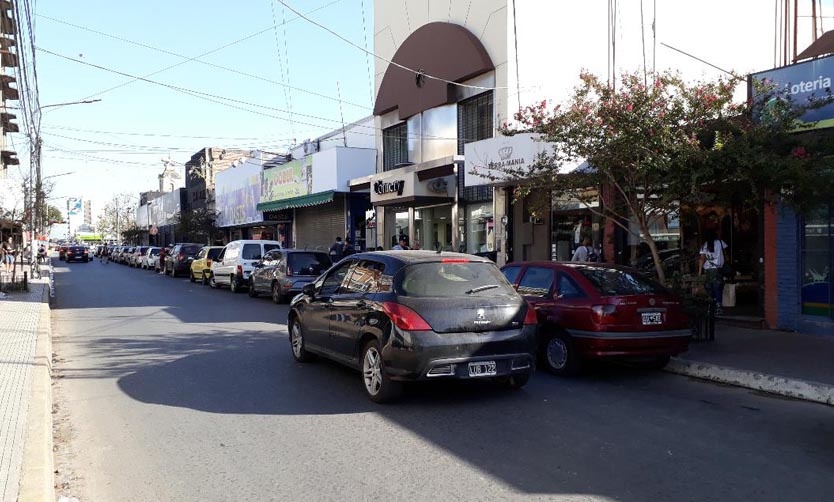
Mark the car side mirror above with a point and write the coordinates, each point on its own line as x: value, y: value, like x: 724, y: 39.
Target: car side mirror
x: 309, y: 290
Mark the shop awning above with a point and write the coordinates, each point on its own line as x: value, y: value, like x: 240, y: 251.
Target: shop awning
x: 296, y: 202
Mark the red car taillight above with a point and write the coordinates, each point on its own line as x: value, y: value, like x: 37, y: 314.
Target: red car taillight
x: 405, y: 318
x: 180, y: 257
x: 530, y: 318
x: 604, y: 314
x: 240, y: 269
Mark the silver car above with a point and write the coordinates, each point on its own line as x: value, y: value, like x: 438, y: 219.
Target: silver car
x: 282, y: 273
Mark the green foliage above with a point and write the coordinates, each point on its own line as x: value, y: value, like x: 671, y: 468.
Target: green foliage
x: 196, y: 225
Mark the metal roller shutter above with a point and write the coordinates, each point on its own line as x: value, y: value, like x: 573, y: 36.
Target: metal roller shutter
x: 318, y: 226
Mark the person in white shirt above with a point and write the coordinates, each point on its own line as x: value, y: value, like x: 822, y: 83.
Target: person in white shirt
x: 713, y: 257
x: 583, y: 252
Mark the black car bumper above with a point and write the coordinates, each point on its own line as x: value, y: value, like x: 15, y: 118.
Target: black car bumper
x: 424, y: 355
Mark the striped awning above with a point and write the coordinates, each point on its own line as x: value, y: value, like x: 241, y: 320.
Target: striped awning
x: 296, y: 202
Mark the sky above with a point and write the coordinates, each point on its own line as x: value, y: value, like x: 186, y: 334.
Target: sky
x: 117, y: 145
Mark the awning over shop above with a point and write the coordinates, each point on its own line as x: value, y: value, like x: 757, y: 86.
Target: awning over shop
x: 296, y: 202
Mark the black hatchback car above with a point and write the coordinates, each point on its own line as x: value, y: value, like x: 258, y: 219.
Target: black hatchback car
x: 178, y: 261
x: 415, y: 315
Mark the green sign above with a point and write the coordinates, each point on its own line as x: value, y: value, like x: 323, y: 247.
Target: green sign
x: 284, y: 182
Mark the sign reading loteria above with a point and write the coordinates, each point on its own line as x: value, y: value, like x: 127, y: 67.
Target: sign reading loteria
x: 284, y: 182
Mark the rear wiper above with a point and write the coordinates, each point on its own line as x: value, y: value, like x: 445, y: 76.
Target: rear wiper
x: 482, y: 288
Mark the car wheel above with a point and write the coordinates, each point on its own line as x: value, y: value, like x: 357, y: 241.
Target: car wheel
x: 191, y: 276
x: 277, y: 297
x: 299, y: 352
x: 558, y: 355
x: 205, y: 278
x: 252, y: 292
x: 233, y: 285
x: 211, y: 282
x: 378, y: 385
x: 515, y: 381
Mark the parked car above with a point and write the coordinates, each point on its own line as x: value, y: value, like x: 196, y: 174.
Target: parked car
x: 236, y: 261
x: 600, y: 311
x: 124, y: 253
x: 135, y: 258
x: 415, y: 315
x: 282, y: 273
x: 62, y: 252
x: 149, y: 260
x: 178, y: 261
x: 77, y: 253
x: 201, y: 266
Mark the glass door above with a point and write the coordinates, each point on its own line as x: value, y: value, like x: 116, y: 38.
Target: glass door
x: 817, y: 261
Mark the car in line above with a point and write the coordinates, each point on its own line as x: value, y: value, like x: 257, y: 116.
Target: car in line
x: 135, y: 258
x: 150, y: 258
x: 599, y: 311
x: 402, y: 316
x: 201, y: 266
x: 178, y: 261
x: 236, y: 261
x: 77, y: 253
x: 282, y: 273
x: 62, y: 252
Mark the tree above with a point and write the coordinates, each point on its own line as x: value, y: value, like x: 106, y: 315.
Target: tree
x: 117, y: 216
x: 196, y: 225
x: 658, y: 143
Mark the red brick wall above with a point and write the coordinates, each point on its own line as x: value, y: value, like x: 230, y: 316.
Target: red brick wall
x: 770, y: 273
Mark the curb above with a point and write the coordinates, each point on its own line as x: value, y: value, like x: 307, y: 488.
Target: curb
x: 38, y: 472
x: 783, y: 386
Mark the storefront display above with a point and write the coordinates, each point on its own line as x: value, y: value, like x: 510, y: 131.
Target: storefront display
x: 817, y: 259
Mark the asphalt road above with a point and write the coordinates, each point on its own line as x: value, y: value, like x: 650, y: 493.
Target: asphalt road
x: 169, y: 390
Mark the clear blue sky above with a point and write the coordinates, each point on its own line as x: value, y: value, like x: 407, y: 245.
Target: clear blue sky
x: 133, y: 121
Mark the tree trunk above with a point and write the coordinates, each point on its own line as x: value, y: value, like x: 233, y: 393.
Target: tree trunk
x: 661, y: 274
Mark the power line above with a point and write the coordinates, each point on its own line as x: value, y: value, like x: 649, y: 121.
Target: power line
x: 398, y: 65
x: 161, y: 135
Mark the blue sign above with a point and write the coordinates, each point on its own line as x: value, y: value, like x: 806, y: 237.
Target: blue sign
x: 803, y: 83
x: 73, y: 206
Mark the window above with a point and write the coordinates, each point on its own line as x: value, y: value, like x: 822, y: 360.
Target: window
x: 567, y: 288
x: 537, y: 282
x: 308, y: 263
x: 394, y: 146
x: 202, y: 254
x: 365, y: 277
x: 817, y: 262
x: 334, y: 280
x: 475, y: 122
x: 448, y: 280
x: 270, y: 247
x: 511, y: 273
x: 214, y: 253
x: 272, y: 256
x: 251, y: 252
x: 613, y: 282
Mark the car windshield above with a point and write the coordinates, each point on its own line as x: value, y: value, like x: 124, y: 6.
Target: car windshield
x: 308, y: 263
x: 213, y: 253
x: 155, y: 251
x: 615, y: 282
x: 446, y: 280
x: 192, y: 250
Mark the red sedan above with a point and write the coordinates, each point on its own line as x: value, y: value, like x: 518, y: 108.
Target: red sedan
x: 595, y: 310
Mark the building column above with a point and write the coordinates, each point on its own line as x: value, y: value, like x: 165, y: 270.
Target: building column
x: 500, y: 221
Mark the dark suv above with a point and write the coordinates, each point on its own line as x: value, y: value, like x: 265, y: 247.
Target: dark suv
x: 178, y: 261
x: 282, y: 273
x: 415, y: 315
x: 77, y: 253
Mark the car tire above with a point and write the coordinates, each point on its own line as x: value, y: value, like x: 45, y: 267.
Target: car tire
x: 191, y: 276
x: 515, y: 381
x: 299, y: 352
x: 558, y: 355
x: 233, y: 285
x: 205, y: 279
x: 252, y: 293
x: 212, y: 282
x: 174, y: 272
x: 378, y: 385
x: 277, y: 297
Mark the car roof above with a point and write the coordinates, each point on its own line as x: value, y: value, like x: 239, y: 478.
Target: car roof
x: 568, y: 264
x: 255, y: 241
x: 293, y: 250
x: 408, y: 257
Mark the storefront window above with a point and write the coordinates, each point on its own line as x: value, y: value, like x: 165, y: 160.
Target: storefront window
x: 817, y: 259
x: 433, y: 227
x: 480, y: 228
x: 400, y: 227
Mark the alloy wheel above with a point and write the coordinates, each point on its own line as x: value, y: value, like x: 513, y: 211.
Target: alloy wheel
x: 372, y: 371
x: 557, y: 353
x: 297, y: 340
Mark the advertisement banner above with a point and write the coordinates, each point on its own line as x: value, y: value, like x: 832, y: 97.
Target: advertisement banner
x: 285, y: 182
x: 238, y: 192
x: 73, y: 206
x: 802, y: 83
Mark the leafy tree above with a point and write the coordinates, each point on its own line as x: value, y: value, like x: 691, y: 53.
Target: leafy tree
x: 657, y: 143
x: 196, y: 225
x: 117, y: 216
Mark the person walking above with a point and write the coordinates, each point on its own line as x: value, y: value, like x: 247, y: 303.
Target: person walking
x: 8, y: 254
x: 337, y: 250
x: 347, y: 247
x: 402, y: 245
x: 160, y: 261
x: 712, y: 260
x: 585, y: 252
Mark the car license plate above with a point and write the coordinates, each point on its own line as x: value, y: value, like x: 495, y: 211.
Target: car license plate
x: 652, y: 318
x: 482, y: 368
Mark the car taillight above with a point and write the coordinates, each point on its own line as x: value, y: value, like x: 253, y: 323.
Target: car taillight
x: 405, y: 318
x: 530, y: 318
x: 240, y: 269
x: 179, y: 257
x: 603, y: 313
x: 208, y: 263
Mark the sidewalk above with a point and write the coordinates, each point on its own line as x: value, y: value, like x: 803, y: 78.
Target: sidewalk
x: 26, y: 471
x: 789, y: 364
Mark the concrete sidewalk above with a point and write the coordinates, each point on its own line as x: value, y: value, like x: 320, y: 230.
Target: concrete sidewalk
x: 26, y: 471
x: 789, y: 364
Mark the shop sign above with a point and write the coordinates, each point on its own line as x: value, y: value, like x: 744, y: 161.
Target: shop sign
x: 487, y: 160
x: 408, y: 187
x: 385, y: 187
x: 238, y: 192
x: 285, y: 181
x: 801, y: 83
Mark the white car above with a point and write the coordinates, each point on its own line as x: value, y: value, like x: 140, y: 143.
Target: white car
x: 150, y: 259
x: 237, y: 260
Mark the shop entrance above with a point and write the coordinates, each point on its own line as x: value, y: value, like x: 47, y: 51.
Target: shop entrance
x: 433, y: 228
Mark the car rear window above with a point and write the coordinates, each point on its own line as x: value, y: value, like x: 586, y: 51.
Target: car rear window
x: 155, y: 251
x: 270, y: 247
x: 614, y: 282
x: 251, y: 252
x: 194, y: 249
x: 308, y: 263
x: 448, y: 280
x: 213, y: 253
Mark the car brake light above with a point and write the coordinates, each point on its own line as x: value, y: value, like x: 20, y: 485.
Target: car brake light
x: 530, y: 318
x: 601, y: 311
x: 179, y: 257
x: 240, y: 269
x: 405, y: 318
x: 454, y: 260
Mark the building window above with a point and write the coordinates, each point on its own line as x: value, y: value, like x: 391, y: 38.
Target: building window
x: 394, y: 146
x: 475, y: 122
x: 818, y: 261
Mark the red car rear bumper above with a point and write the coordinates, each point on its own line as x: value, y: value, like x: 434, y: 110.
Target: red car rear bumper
x: 648, y: 344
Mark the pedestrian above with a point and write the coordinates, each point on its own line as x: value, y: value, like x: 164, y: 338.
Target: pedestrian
x: 160, y: 261
x: 712, y: 260
x: 8, y: 254
x: 402, y: 245
x: 347, y: 247
x: 585, y: 252
x: 337, y: 250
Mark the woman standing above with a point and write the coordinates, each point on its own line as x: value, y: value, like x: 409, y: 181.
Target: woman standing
x: 713, y: 258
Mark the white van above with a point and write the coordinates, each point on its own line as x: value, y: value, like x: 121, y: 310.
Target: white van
x: 237, y: 260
